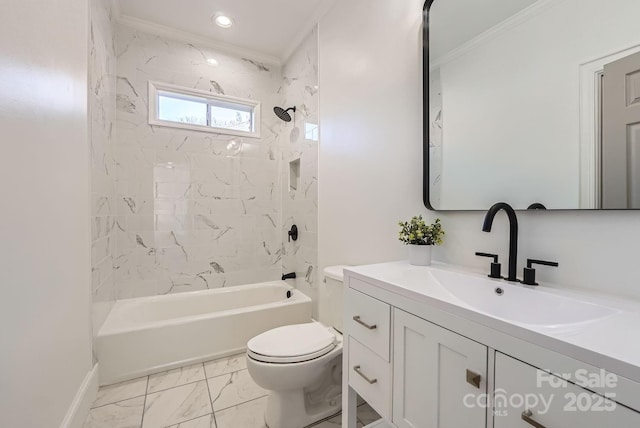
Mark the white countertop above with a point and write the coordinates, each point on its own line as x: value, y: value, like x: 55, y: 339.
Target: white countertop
x: 612, y: 343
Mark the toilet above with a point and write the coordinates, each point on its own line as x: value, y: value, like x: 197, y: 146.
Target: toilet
x: 301, y: 365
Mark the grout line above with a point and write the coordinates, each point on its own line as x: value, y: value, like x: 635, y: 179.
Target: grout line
x: 227, y: 374
x: 176, y: 386
x: 144, y: 405
x: 239, y: 404
x: 215, y: 419
x: 192, y: 419
x: 222, y: 374
x: 119, y: 401
x: 209, y: 392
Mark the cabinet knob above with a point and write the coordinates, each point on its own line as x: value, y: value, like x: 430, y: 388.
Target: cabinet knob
x: 526, y: 416
x: 474, y: 378
x: 364, y: 324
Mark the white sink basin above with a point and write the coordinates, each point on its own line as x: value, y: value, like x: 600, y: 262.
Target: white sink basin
x: 517, y: 303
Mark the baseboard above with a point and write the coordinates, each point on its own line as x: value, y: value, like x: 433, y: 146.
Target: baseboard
x: 81, y: 403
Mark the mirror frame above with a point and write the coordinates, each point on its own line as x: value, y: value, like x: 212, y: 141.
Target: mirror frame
x: 426, y: 137
x: 425, y: 105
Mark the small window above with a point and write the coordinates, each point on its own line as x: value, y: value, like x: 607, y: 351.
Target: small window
x: 178, y: 107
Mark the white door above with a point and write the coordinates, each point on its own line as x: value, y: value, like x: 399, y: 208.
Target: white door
x: 526, y: 397
x: 621, y: 134
x: 434, y: 371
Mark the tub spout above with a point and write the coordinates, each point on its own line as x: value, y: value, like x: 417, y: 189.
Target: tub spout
x: 291, y: 275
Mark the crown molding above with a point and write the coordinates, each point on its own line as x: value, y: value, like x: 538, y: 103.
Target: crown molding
x: 493, y: 32
x: 184, y: 36
x: 308, y: 26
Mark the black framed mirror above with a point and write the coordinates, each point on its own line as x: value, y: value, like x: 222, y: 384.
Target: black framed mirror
x: 532, y: 102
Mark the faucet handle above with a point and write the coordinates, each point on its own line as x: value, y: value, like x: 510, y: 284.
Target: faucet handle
x: 495, y: 266
x: 529, y: 275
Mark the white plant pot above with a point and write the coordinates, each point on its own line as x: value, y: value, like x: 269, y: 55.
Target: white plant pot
x: 420, y: 255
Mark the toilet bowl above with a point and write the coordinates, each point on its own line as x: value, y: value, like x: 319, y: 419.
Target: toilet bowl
x: 301, y: 367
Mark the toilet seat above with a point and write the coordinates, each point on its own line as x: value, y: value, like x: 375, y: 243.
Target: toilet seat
x: 292, y: 343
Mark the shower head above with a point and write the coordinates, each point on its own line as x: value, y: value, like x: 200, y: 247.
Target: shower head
x: 284, y: 114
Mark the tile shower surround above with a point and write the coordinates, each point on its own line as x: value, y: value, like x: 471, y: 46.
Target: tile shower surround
x: 195, y: 210
x: 102, y: 116
x: 218, y: 393
x: 300, y: 89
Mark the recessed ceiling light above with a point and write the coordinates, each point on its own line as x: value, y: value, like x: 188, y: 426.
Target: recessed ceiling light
x: 223, y: 21
x: 212, y: 61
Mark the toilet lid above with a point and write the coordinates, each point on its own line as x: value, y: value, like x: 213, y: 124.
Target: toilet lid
x: 292, y: 343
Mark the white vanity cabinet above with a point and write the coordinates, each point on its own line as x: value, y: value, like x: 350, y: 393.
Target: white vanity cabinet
x: 528, y: 397
x: 433, y: 370
x: 422, y: 363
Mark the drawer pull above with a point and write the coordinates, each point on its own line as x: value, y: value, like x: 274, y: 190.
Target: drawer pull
x: 473, y: 378
x: 357, y: 370
x: 362, y: 323
x: 526, y: 416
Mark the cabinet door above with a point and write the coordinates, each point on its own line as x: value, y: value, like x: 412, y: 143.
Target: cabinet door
x: 431, y: 368
x: 549, y: 402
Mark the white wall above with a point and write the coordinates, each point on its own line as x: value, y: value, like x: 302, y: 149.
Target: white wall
x: 371, y: 120
x: 596, y: 250
x: 45, y: 233
x: 370, y: 165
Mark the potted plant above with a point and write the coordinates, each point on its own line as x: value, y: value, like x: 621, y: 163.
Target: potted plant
x: 420, y: 237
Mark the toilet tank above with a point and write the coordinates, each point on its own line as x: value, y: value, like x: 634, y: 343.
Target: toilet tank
x: 333, y: 280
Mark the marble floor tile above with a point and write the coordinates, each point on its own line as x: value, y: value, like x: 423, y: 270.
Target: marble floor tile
x: 176, y: 405
x: 367, y: 415
x: 334, y: 422
x: 208, y: 421
x: 226, y: 365
x: 123, y: 414
x: 246, y: 415
x: 175, y: 377
x: 232, y: 389
x: 121, y: 391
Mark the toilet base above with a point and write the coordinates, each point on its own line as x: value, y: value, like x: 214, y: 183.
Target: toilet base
x: 290, y: 409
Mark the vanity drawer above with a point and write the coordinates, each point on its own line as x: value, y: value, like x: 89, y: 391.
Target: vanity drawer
x: 369, y: 321
x: 370, y: 376
x: 552, y: 402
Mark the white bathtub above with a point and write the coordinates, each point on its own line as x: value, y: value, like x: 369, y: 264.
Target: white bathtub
x: 151, y: 334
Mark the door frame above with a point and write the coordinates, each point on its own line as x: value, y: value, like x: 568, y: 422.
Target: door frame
x: 591, y: 74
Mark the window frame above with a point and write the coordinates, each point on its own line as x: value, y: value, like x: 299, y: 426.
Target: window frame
x: 226, y: 101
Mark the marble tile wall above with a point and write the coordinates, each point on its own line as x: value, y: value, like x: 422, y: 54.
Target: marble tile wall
x: 195, y: 210
x: 300, y: 206
x: 102, y: 114
x: 435, y: 138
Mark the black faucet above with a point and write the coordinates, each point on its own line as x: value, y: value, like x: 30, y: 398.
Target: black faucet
x: 513, y: 234
x: 291, y: 275
x: 536, y: 206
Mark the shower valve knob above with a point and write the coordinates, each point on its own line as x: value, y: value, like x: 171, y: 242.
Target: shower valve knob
x: 293, y: 233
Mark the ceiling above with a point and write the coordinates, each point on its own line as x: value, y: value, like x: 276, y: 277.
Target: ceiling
x: 453, y: 23
x: 265, y: 29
